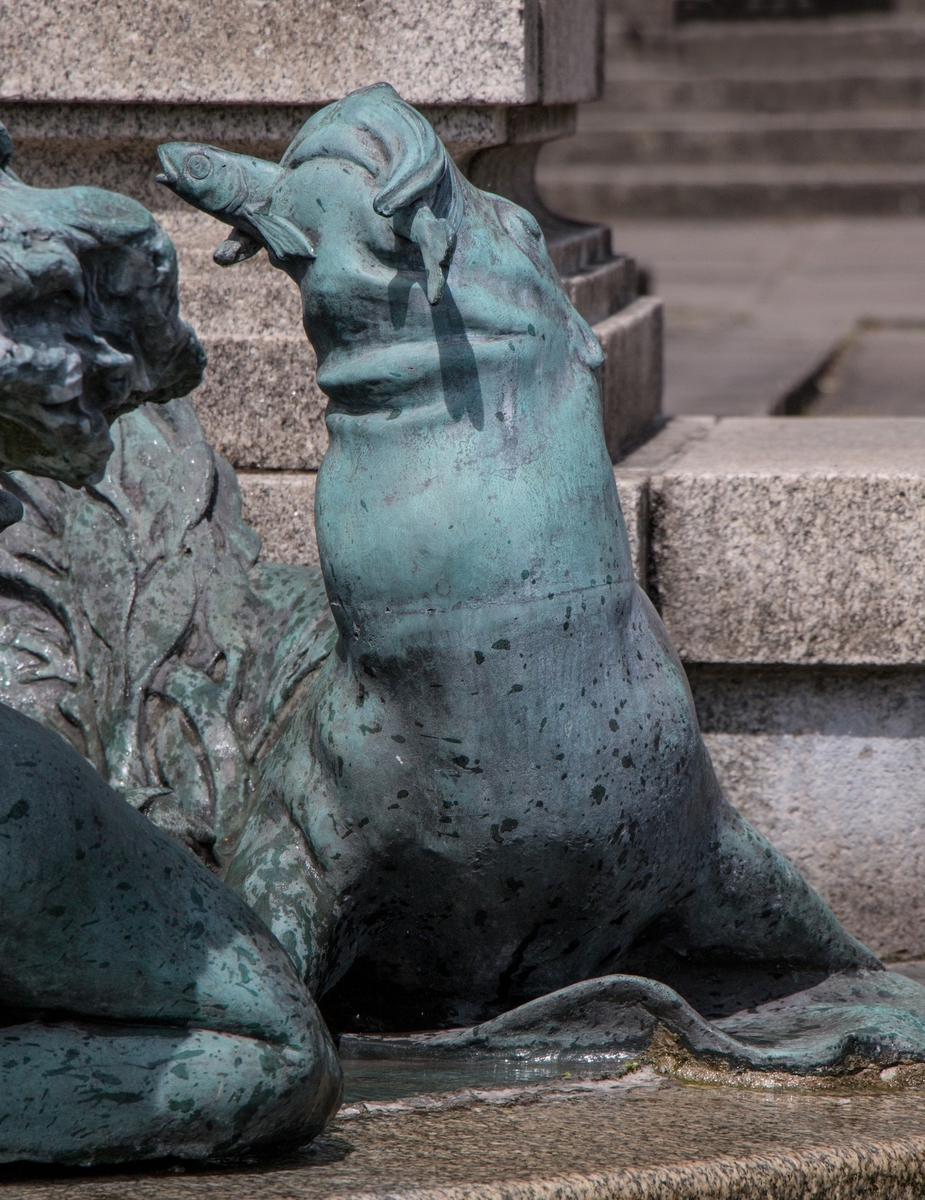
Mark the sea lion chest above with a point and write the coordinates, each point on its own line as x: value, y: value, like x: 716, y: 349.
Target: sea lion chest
x: 486, y: 740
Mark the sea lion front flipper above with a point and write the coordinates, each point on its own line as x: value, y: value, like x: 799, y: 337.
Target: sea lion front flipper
x: 436, y: 241
x: 749, y: 905
x: 743, y: 926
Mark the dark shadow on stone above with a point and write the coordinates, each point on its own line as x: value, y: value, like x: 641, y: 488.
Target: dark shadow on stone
x: 830, y: 701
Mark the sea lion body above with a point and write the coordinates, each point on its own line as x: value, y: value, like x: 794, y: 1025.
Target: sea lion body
x: 483, y: 751
x: 495, y: 786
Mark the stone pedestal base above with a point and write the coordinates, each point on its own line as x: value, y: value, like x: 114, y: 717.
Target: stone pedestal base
x: 631, y: 1139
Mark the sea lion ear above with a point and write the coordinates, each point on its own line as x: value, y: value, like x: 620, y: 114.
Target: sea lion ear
x: 436, y: 240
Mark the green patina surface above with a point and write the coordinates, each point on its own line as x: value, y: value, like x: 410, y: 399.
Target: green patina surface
x: 144, y: 1009
x: 495, y: 787
x: 457, y: 773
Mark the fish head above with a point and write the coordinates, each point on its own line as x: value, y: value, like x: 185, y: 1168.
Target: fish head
x: 236, y: 189
x: 216, y: 181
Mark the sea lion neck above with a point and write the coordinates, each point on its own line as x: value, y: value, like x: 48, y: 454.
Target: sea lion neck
x: 389, y: 349
x: 427, y: 519
x: 466, y: 463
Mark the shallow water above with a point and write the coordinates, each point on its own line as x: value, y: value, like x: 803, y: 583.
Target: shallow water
x: 393, y: 1079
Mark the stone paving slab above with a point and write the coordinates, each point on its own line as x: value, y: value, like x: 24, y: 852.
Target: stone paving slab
x: 640, y: 1138
x: 791, y: 541
x: 754, y: 307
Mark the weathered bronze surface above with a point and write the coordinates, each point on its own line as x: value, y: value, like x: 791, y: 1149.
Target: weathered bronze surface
x: 495, y: 787
x: 90, y: 325
x: 144, y: 1009
x: 466, y: 786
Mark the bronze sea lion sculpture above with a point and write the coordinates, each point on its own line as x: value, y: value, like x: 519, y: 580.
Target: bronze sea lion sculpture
x: 495, y: 787
x: 144, y: 1010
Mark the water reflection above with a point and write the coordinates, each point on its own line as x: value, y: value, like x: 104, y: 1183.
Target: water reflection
x: 393, y: 1079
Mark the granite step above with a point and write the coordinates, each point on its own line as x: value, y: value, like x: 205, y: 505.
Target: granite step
x: 260, y: 405
x: 259, y: 402
x: 613, y: 138
x: 743, y: 189
x: 872, y: 38
x: 751, y: 118
x: 834, y: 86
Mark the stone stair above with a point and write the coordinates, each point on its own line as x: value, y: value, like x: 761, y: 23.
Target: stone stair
x: 752, y: 118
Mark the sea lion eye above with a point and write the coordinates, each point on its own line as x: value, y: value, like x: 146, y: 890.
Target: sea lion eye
x: 198, y: 166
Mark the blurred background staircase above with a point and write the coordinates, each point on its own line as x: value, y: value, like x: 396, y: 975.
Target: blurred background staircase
x: 785, y: 115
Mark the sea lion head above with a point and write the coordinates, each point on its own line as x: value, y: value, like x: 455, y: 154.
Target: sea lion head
x: 414, y: 283
x: 373, y: 129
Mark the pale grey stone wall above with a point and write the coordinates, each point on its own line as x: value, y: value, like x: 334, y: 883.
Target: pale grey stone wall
x: 794, y: 541
x: 292, y: 52
x: 787, y: 557
x: 830, y: 763
x: 280, y: 505
x: 62, y: 142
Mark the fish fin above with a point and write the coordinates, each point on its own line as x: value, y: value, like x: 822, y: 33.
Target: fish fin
x: 435, y: 239
x: 283, y: 238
